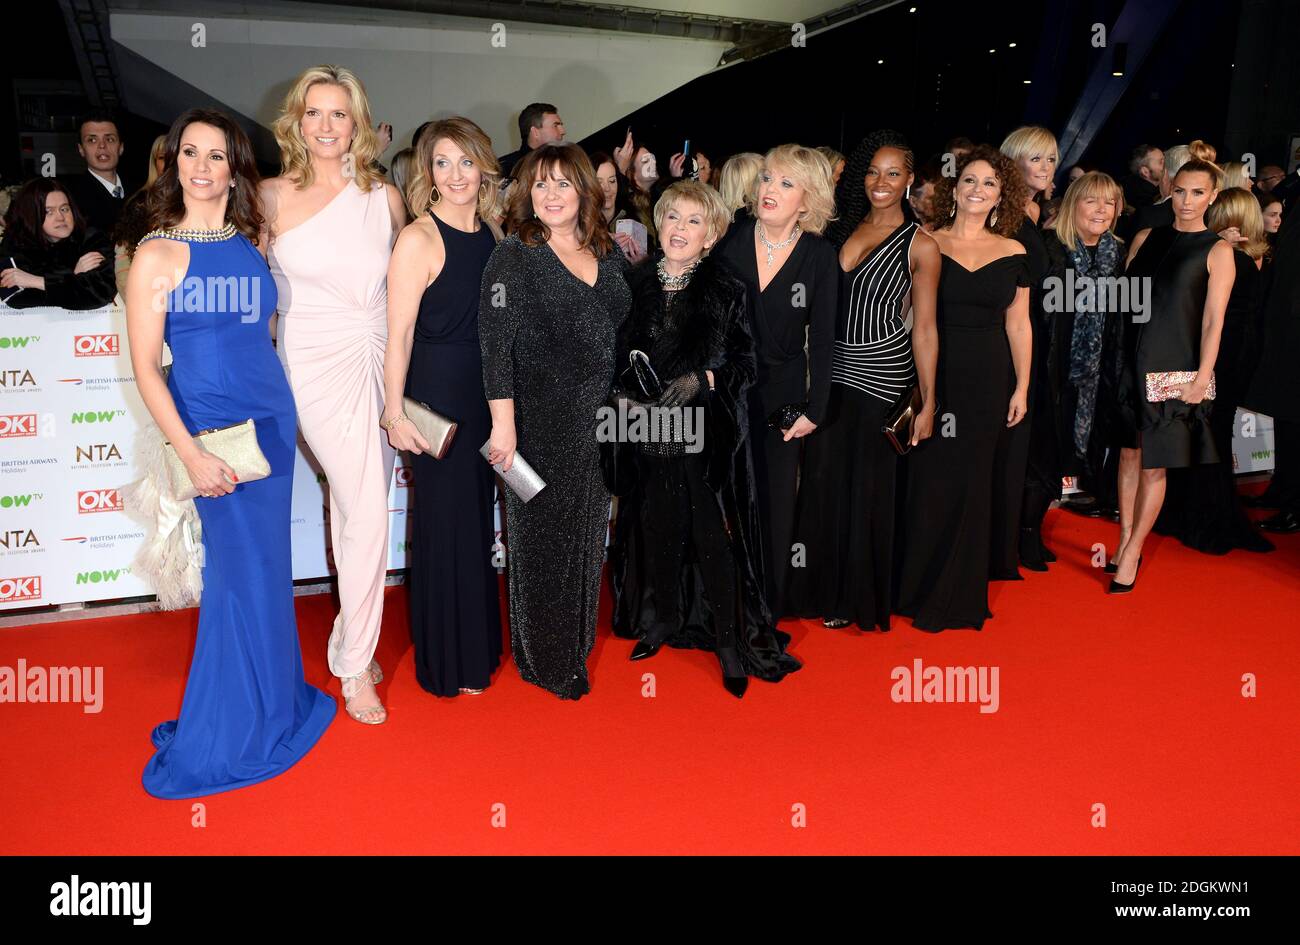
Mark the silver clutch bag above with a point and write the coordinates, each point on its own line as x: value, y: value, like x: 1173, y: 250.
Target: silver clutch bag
x: 235, y: 444
x: 522, y: 478
x: 436, y: 429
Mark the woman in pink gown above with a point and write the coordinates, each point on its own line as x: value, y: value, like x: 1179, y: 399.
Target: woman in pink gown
x: 332, y: 221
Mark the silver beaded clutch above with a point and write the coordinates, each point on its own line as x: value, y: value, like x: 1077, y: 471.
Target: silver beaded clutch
x: 235, y: 444
x: 522, y: 478
x: 436, y: 429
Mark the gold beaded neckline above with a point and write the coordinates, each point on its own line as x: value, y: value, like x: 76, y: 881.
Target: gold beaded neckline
x: 193, y: 236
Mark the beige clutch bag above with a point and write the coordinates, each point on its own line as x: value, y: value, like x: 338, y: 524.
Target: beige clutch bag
x: 436, y: 429
x: 235, y: 444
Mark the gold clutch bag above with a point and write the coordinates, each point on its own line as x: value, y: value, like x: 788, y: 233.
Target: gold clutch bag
x: 899, y: 420
x: 1162, y: 384
x: 436, y: 429
x: 235, y: 444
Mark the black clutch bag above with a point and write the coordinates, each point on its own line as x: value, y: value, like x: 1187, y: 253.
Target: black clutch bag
x: 783, y: 418
x: 901, y: 417
x: 640, y: 377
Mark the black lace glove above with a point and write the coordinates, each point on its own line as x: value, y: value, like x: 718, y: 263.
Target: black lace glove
x: 684, y: 390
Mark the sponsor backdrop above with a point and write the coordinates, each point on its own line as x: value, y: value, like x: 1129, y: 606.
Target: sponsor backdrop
x: 69, y: 413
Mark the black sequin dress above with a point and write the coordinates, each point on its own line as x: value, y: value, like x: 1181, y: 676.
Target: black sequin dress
x: 548, y: 343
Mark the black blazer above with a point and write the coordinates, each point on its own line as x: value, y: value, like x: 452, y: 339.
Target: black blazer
x: 98, y: 207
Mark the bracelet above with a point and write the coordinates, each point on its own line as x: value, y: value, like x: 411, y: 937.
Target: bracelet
x: 389, y: 424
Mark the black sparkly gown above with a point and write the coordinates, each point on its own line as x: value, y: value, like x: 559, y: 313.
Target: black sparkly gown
x: 548, y: 344
x: 944, y: 574
x: 455, y: 603
x: 1171, y: 433
x: 846, y: 506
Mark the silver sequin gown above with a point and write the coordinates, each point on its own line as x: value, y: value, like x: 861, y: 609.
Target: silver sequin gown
x: 548, y: 344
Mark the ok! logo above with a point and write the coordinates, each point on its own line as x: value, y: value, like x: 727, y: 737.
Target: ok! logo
x: 96, y: 346
x: 99, y: 500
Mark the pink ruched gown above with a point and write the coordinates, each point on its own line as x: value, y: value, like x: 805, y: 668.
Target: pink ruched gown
x: 331, y: 272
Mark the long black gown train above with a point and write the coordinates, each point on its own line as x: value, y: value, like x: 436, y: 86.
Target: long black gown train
x: 455, y: 603
x: 945, y: 562
x: 548, y: 343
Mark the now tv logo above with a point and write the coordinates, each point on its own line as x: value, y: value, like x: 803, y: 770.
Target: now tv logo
x: 97, y: 416
x: 96, y: 346
x: 13, y: 589
x: 99, y: 500
x: 17, y: 424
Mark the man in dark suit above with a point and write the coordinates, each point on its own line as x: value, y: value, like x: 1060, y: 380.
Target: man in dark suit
x: 1146, y: 168
x: 1160, y: 213
x: 100, y: 192
x: 539, y: 124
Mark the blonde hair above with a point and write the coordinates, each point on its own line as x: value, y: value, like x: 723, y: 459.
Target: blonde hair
x: 813, y: 172
x: 1091, y: 184
x: 1028, y: 141
x: 473, y: 140
x: 717, y: 216
x: 1237, y: 207
x: 295, y: 162
x: 1234, y: 174
x: 155, y: 152
x: 736, y: 179
x: 1203, y: 151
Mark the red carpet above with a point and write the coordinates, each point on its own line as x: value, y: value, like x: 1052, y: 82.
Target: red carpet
x: 1132, y: 702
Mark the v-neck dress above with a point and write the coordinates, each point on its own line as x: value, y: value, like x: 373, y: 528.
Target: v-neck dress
x: 845, y: 521
x: 547, y: 340
x: 796, y: 309
x: 944, y: 575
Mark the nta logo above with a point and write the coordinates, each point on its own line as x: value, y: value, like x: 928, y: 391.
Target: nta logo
x: 14, y: 589
x: 16, y: 377
x: 99, y: 500
x: 18, y: 424
x: 95, y: 346
x: 18, y: 538
x: 98, y: 453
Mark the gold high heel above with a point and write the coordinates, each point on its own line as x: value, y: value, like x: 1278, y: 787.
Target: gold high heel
x: 357, y: 686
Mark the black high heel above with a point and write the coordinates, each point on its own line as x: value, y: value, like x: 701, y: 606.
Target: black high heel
x: 1117, y: 588
x: 645, y: 648
x: 734, y: 678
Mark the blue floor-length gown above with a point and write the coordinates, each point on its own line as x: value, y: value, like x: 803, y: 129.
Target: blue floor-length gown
x: 248, y: 713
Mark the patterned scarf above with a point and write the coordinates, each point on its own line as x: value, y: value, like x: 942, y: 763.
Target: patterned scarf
x: 1089, y: 329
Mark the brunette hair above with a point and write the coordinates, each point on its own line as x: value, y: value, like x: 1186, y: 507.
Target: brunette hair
x: 1011, y: 206
x: 165, y: 203
x: 24, y: 221
x: 623, y: 195
x: 553, y: 161
x: 1197, y: 166
x: 851, y: 193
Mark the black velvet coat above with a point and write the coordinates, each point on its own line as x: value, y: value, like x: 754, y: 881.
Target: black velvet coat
x: 711, y: 332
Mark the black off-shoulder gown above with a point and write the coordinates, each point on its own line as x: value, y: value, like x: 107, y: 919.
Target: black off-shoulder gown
x: 944, y: 576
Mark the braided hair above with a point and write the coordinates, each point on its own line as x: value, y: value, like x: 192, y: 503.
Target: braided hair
x: 851, y: 201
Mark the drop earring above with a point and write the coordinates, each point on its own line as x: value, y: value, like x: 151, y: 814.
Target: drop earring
x: 993, y: 217
x: 908, y: 192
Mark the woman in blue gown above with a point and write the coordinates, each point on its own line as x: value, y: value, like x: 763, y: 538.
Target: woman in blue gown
x: 248, y: 713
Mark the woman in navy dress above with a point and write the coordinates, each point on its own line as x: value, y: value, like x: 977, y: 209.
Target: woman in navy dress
x: 248, y: 713
x: 433, y: 357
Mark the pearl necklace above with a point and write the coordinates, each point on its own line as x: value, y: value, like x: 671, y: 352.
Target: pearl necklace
x: 773, y: 247
x: 193, y: 236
